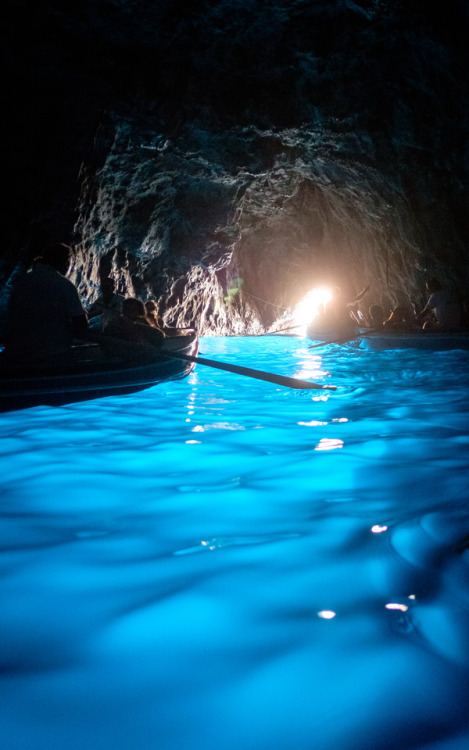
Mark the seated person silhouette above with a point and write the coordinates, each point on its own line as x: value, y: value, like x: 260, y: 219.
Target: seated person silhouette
x: 323, y: 321
x: 401, y: 320
x: 442, y: 311
x: 133, y: 325
x: 107, y: 307
x: 155, y: 320
x: 44, y: 312
x: 339, y: 313
x: 375, y: 316
x: 151, y: 311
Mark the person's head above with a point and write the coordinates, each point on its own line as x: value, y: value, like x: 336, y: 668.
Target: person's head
x: 151, y: 306
x: 107, y: 290
x: 57, y: 255
x: 133, y: 308
x: 433, y: 285
x: 107, y: 285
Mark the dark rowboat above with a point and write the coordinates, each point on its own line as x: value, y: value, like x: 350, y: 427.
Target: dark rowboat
x: 91, y: 378
x: 389, y: 339
x: 429, y: 340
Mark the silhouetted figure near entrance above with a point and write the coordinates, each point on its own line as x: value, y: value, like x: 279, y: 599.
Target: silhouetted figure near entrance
x: 339, y: 311
x: 375, y: 316
x: 401, y: 320
x: 442, y: 311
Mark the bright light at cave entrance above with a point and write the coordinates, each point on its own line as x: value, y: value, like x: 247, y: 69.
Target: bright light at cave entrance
x: 307, y: 309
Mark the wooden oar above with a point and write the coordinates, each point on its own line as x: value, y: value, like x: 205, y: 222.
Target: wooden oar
x: 269, y: 377
x: 326, y: 343
x: 269, y: 333
x: 281, y: 330
x: 345, y: 341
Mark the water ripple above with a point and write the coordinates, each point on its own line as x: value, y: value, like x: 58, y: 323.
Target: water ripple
x: 189, y: 552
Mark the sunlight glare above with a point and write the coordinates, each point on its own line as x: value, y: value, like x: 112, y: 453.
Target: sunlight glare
x: 396, y: 605
x: 328, y: 444
x: 307, y: 309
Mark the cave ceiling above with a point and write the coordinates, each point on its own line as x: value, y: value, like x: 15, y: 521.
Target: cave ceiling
x: 225, y: 157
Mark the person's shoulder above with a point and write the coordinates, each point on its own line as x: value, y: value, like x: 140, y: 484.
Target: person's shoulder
x: 64, y: 287
x: 50, y: 275
x: 116, y: 302
x: 442, y: 296
x: 31, y: 281
x: 24, y: 277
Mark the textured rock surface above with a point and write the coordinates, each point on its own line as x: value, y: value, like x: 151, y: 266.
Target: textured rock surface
x: 227, y: 158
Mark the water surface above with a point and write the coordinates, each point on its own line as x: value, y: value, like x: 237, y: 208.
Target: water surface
x: 219, y: 562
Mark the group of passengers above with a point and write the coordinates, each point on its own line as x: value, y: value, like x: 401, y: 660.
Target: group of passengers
x: 442, y: 312
x: 45, y: 317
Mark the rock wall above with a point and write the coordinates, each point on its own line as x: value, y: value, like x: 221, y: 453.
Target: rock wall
x: 230, y: 246
x: 226, y: 158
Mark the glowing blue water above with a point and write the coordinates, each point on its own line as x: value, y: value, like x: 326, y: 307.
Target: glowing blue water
x: 222, y: 563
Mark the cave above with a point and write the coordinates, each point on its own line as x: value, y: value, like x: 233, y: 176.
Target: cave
x: 225, y: 158
x: 266, y: 548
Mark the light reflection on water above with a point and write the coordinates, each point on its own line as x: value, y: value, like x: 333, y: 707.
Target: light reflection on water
x: 187, y: 568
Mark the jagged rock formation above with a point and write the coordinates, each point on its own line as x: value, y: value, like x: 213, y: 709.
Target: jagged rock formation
x: 228, y: 157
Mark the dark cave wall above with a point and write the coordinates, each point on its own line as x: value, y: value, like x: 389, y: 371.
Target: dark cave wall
x: 225, y: 158
x: 181, y: 215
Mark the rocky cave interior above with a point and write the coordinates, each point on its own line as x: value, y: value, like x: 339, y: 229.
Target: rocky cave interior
x: 225, y: 157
